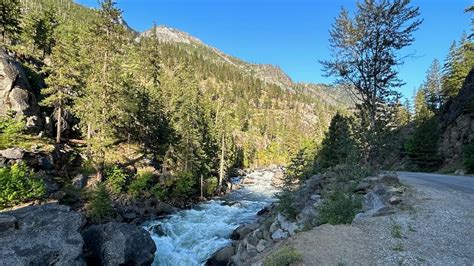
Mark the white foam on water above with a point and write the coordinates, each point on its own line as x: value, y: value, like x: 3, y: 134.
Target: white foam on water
x: 192, y: 236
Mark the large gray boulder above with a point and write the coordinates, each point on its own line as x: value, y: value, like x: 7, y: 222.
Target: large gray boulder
x: 41, y: 235
x: 118, y: 244
x: 15, y: 94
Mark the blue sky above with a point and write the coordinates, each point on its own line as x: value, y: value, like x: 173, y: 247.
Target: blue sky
x: 293, y: 34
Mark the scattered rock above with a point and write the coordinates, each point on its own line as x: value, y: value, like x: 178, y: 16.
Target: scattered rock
x: 13, y: 153
x: 158, y: 229
x: 279, y: 235
x: 42, y: 235
x: 263, y: 211
x: 221, y: 257
x: 460, y: 172
x: 362, y: 187
x: 79, y: 181
x: 7, y: 222
x: 261, y: 245
x: 390, y: 178
x: 394, y: 200
x: 242, y: 231
x: 118, y: 244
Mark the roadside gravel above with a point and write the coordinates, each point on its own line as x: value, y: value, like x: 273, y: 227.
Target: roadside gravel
x: 435, y: 226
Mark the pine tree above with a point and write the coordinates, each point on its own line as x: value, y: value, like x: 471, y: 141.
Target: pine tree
x: 458, y: 63
x: 338, y: 145
x: 365, y: 52
x: 422, y: 110
x: 64, y: 74
x: 433, y: 87
x: 10, y: 17
x: 108, y: 95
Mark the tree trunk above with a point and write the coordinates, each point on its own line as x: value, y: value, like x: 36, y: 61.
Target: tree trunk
x: 58, y: 125
x: 221, y: 172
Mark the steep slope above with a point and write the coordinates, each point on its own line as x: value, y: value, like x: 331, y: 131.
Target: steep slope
x: 267, y: 73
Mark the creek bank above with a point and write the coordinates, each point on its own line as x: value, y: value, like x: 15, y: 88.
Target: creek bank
x: 53, y: 234
x: 382, y: 195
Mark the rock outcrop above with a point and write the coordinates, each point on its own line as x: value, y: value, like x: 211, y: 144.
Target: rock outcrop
x: 118, y: 244
x: 15, y: 94
x: 41, y: 235
x: 458, y: 123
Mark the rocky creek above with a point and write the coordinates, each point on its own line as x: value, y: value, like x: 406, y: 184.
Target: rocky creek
x: 190, y: 237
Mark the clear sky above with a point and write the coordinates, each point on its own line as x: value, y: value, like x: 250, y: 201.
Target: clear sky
x: 293, y: 34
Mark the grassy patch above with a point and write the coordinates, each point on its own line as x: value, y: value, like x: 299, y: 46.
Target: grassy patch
x: 396, y: 231
x: 283, y: 257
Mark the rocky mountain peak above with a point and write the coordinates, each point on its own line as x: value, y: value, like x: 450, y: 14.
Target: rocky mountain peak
x: 171, y: 35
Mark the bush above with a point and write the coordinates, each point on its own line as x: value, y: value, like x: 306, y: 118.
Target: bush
x: 141, y: 184
x: 184, y: 185
x: 469, y: 158
x: 211, y: 186
x: 19, y: 184
x: 10, y: 128
x: 116, y: 179
x: 285, y: 204
x: 100, y: 204
x: 339, y: 208
x: 283, y: 257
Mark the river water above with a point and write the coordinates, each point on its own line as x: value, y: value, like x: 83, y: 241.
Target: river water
x: 192, y: 236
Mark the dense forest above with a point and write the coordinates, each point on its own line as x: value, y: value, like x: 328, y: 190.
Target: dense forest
x: 123, y: 99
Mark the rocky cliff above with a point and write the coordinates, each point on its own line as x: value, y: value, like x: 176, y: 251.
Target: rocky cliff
x: 15, y: 92
x: 458, y: 123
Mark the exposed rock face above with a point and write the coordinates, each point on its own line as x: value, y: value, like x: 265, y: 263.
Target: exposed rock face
x: 118, y: 244
x: 41, y: 235
x: 15, y: 92
x: 458, y: 123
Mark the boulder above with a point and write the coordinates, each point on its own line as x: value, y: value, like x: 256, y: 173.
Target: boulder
x: 41, y: 235
x: 221, y: 257
x: 242, y: 231
x: 13, y: 153
x: 79, y: 181
x: 362, y: 187
x: 394, y: 200
x: 118, y: 244
x: 261, y: 245
x: 279, y: 235
x: 15, y: 92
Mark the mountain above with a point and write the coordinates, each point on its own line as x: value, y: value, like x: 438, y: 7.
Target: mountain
x: 267, y: 73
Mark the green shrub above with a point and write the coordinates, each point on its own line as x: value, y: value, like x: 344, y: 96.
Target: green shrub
x: 100, y: 204
x: 339, y: 208
x: 211, y: 186
x: 141, y: 184
x: 184, y: 185
x: 116, y: 179
x: 160, y: 191
x: 19, y: 184
x: 285, y: 204
x: 283, y: 257
x: 10, y: 129
x: 469, y: 158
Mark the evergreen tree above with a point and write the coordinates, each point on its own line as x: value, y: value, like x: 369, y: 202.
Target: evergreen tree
x: 10, y: 17
x: 433, y: 87
x: 107, y: 100
x: 422, y: 110
x: 39, y: 28
x: 365, y: 52
x: 64, y: 74
x: 338, y: 145
x: 422, y: 146
x: 458, y: 63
